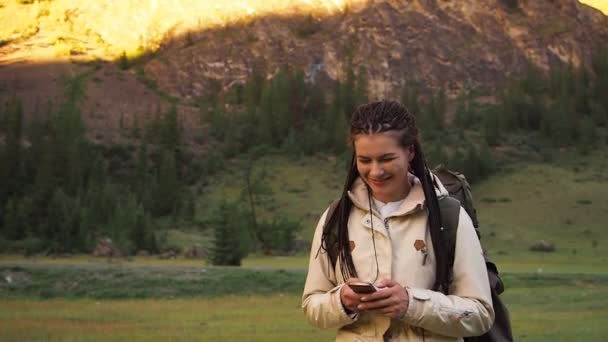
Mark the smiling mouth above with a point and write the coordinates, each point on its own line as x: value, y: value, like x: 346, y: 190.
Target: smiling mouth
x: 378, y: 181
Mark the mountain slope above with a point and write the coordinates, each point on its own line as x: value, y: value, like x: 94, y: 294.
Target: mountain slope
x: 201, y: 47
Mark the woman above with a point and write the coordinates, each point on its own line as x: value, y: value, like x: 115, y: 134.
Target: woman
x: 380, y: 232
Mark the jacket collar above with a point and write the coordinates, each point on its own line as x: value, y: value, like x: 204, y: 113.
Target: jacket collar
x: 414, y: 201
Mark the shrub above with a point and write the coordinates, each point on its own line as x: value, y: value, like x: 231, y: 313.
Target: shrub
x: 307, y: 27
x: 279, y: 236
x: 511, y: 4
x: 27, y: 246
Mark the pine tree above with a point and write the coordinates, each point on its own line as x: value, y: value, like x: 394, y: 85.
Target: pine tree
x: 491, y: 127
x: 457, y: 161
x: 170, y: 134
x: 599, y: 86
x: 599, y: 114
x: 437, y: 154
x: 264, y: 132
x: 348, y: 91
x: 409, y: 98
x: 256, y: 191
x: 14, y: 227
x: 588, y: 135
x: 11, y: 153
x: 123, y: 222
x: 166, y: 193
x: 440, y: 109
x: 69, y: 148
x: 231, y: 240
x: 297, y: 100
x: 563, y: 128
x: 472, y: 165
x: 316, y: 106
x: 335, y: 122
x: 253, y: 89
x: 361, y: 87
x: 142, y: 168
x: 281, y: 94
x: 486, y: 161
x: 462, y: 112
x: 141, y: 235
x: 63, y: 229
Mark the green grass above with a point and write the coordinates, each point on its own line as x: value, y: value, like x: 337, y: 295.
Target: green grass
x: 575, y: 311
x: 239, y: 318
x: 563, y: 203
x: 128, y: 281
x: 252, y: 262
x: 543, y: 308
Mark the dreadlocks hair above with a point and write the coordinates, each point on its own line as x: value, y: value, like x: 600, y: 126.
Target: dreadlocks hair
x: 373, y: 118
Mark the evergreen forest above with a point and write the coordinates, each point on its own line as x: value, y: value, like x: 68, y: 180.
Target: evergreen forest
x: 60, y: 192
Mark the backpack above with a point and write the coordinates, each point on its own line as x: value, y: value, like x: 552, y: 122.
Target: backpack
x: 460, y: 195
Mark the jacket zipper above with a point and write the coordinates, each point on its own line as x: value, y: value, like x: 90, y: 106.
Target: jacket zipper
x: 386, y: 227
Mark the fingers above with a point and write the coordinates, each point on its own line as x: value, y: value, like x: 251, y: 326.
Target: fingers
x: 391, y: 301
x: 350, y: 299
x: 386, y: 283
x: 380, y: 294
x: 377, y: 304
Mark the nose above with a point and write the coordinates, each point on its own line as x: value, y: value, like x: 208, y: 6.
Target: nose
x: 376, y: 171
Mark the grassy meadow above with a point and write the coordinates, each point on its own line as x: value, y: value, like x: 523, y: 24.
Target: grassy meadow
x: 557, y: 296
x: 544, y: 308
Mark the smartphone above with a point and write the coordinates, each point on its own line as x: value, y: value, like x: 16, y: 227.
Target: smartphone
x: 362, y: 287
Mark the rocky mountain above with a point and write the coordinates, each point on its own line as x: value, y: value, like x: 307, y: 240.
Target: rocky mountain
x: 187, y: 50
x: 436, y: 43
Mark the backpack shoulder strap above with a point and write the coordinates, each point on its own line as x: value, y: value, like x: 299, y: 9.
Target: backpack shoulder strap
x: 450, y: 214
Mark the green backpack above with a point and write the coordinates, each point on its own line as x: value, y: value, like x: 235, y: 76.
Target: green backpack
x: 460, y: 195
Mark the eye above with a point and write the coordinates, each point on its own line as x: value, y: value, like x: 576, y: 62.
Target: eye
x: 364, y: 160
x: 386, y: 160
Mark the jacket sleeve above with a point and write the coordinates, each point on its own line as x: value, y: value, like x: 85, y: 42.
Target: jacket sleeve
x: 467, y: 310
x: 321, y: 298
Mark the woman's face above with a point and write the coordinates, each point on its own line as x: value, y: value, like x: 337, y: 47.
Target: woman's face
x: 383, y: 164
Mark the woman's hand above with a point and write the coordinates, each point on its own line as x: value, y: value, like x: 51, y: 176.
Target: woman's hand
x: 350, y: 299
x: 391, y: 300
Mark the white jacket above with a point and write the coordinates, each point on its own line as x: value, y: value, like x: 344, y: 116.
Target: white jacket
x: 431, y: 315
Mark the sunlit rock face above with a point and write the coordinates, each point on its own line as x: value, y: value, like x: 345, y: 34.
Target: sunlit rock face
x: 433, y: 43
x: 114, y: 27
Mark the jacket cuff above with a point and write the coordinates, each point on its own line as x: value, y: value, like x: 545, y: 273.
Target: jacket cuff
x: 415, y: 309
x: 337, y: 300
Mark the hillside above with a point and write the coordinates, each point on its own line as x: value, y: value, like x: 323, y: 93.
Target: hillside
x: 562, y: 202
x: 185, y: 51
